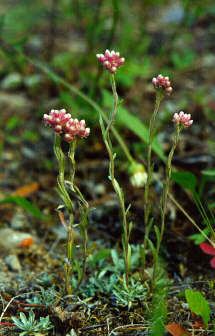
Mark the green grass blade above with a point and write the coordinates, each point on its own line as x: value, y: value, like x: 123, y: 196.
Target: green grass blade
x: 25, y: 204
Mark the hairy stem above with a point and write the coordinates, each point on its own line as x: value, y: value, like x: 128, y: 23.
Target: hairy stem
x: 84, y: 233
x: 164, y: 198
x: 71, y: 155
x: 147, y: 205
x: 167, y: 182
x: 115, y: 106
x: 115, y: 184
x: 69, y: 205
x: 69, y: 261
x: 83, y: 205
x: 61, y: 175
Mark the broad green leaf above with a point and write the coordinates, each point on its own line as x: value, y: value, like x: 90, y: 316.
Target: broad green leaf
x: 185, y: 179
x: 25, y: 204
x: 198, y: 304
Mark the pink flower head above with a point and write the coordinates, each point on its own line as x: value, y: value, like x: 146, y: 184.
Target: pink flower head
x: 161, y: 82
x: 209, y: 249
x: 75, y: 128
x: 183, y: 119
x: 57, y: 119
x: 111, y: 60
x: 62, y: 123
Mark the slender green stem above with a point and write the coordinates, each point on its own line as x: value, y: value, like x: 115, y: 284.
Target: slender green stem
x: 61, y: 175
x: 115, y: 107
x: 164, y: 201
x: 116, y: 186
x: 147, y: 205
x: 84, y: 233
x: 69, y: 261
x: 152, y: 128
x: 167, y: 182
x: 71, y: 155
x: 69, y: 205
x: 83, y: 205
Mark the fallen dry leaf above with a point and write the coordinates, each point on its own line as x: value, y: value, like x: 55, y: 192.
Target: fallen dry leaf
x: 26, y: 242
x: 26, y: 190
x: 198, y: 324
x: 176, y: 329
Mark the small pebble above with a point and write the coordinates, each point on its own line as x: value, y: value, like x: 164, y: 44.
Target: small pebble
x: 10, y: 239
x: 13, y: 263
x: 12, y: 81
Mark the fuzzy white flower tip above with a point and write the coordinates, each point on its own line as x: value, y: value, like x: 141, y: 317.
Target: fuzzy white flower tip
x: 111, y: 60
x: 87, y: 130
x: 184, y: 119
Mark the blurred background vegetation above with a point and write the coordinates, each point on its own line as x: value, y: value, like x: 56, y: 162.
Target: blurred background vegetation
x: 47, y: 60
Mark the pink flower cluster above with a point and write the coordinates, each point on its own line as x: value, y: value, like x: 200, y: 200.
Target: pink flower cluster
x: 75, y: 128
x: 63, y: 123
x: 161, y: 82
x: 57, y: 119
x: 183, y: 119
x: 111, y: 60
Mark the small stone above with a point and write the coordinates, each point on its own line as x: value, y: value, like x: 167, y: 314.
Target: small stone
x: 99, y: 189
x: 17, y: 103
x: 13, y: 263
x: 12, y: 81
x: 10, y: 239
x: 28, y: 152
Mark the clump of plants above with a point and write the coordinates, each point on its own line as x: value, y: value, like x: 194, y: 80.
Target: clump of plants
x: 30, y: 326
x: 71, y: 130
x: 132, y: 284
